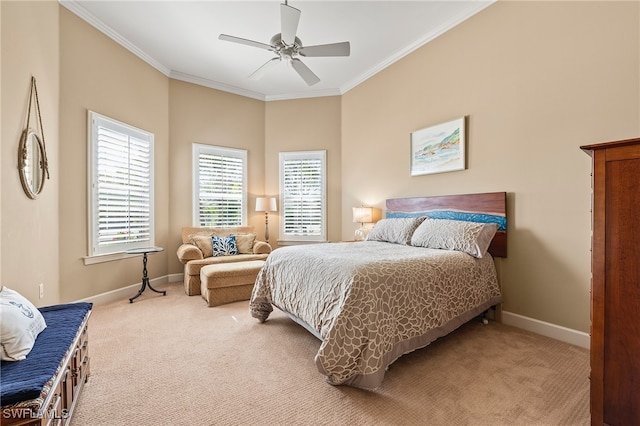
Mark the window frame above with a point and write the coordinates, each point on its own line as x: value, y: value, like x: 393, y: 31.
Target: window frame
x: 242, y: 154
x: 96, y: 254
x: 303, y: 155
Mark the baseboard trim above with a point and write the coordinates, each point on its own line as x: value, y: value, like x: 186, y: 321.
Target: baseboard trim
x: 564, y: 334
x: 176, y: 278
x: 125, y: 293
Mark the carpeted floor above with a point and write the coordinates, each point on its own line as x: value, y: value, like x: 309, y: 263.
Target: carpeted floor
x: 172, y: 361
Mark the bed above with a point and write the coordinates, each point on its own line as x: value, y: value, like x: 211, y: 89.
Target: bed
x: 413, y: 280
x: 44, y: 388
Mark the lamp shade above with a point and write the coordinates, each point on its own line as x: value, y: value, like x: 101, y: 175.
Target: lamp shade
x: 266, y: 204
x: 363, y: 214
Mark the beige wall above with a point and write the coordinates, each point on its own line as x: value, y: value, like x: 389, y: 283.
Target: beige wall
x: 305, y: 125
x: 99, y: 75
x: 537, y: 80
x: 208, y: 116
x: 29, y: 227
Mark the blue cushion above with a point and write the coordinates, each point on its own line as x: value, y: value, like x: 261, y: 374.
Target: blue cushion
x: 24, y: 380
x: 224, y: 246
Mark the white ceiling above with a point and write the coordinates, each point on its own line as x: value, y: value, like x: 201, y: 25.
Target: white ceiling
x: 180, y: 38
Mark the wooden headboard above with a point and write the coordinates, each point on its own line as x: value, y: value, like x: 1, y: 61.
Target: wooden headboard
x: 490, y: 207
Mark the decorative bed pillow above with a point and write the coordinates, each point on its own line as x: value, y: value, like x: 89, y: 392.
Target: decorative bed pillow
x: 468, y: 237
x: 244, y: 242
x: 395, y: 230
x: 20, y: 324
x: 224, y: 246
x: 203, y: 242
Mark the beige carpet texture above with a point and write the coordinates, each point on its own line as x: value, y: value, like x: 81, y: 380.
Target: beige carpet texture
x: 171, y: 360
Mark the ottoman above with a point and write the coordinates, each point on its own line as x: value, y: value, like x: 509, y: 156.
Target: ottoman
x: 228, y: 282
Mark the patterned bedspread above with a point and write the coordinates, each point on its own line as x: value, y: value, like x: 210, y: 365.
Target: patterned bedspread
x: 371, y: 302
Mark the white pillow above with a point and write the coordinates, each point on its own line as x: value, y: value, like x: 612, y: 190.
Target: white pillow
x: 472, y: 238
x: 395, y: 230
x: 20, y: 324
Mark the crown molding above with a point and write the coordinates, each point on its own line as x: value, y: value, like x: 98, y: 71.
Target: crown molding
x: 76, y: 8
x: 216, y: 85
x: 474, y: 7
x: 305, y: 95
x: 87, y: 16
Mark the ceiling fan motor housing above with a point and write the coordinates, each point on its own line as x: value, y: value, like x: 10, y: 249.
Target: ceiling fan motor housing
x: 283, y: 49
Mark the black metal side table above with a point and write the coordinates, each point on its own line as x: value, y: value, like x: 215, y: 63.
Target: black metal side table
x: 145, y: 278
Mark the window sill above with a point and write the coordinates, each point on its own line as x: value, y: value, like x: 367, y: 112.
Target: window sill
x: 101, y: 258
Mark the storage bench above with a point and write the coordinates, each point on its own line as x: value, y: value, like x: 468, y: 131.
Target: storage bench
x: 228, y: 282
x: 43, y: 389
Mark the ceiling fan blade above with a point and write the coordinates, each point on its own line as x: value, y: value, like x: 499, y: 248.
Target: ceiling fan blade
x: 257, y: 74
x: 239, y: 40
x: 334, y: 49
x: 289, y: 17
x: 307, y: 75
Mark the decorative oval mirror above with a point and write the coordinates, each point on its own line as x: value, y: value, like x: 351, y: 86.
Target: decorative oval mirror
x: 31, y: 163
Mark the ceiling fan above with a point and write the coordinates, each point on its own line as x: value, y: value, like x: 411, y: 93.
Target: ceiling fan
x: 287, y: 47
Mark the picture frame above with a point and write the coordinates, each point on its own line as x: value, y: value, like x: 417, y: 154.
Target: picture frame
x: 440, y: 148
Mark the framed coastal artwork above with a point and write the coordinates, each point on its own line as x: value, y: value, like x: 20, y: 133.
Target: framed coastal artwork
x: 439, y: 148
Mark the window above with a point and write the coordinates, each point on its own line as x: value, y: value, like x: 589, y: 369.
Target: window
x: 219, y: 186
x: 120, y: 186
x: 302, y: 195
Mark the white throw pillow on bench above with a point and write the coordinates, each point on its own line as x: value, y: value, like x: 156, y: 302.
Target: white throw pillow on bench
x: 20, y: 324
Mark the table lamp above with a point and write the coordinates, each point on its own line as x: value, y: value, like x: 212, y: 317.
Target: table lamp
x: 362, y: 215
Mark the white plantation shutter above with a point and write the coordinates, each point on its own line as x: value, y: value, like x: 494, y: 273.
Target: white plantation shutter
x: 121, y: 186
x: 219, y: 186
x: 302, y: 194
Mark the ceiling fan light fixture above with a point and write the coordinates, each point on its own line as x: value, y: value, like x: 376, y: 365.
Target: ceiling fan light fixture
x: 287, y: 46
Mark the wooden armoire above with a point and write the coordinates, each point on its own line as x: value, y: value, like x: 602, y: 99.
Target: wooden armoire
x: 615, y: 283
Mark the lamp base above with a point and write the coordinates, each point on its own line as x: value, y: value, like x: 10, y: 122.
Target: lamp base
x: 360, y: 234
